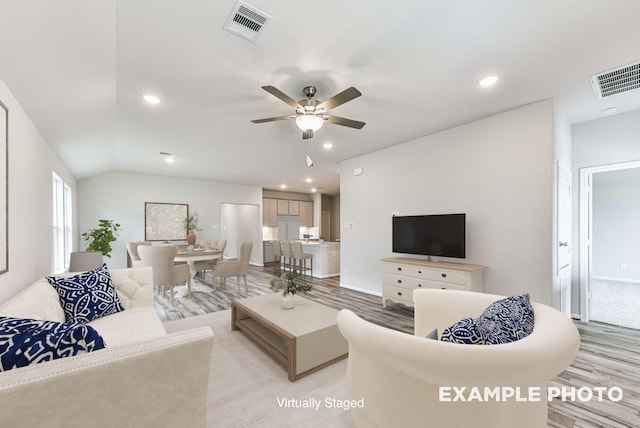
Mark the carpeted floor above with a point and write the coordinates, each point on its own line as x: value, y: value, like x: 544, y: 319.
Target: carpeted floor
x: 245, y: 385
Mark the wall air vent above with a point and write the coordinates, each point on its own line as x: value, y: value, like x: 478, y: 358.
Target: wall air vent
x: 246, y: 21
x: 616, y: 81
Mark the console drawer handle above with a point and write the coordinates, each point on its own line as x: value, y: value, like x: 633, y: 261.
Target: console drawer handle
x: 419, y: 271
x: 399, y: 281
x: 444, y: 288
x: 399, y: 268
x: 399, y: 293
x: 419, y: 285
x: 444, y: 275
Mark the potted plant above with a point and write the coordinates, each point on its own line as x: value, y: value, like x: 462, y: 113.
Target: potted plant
x: 289, y: 288
x: 190, y: 224
x: 101, y: 237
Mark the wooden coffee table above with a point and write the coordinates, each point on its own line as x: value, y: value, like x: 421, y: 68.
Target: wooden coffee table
x: 305, y: 339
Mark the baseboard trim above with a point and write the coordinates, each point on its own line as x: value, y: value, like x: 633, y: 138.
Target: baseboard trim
x: 362, y: 290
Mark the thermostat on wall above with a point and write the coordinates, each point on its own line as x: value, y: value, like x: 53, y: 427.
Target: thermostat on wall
x: 357, y: 171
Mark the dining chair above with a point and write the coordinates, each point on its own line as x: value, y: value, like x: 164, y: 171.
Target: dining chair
x: 81, y: 261
x: 165, y: 273
x: 132, y: 249
x: 234, y: 267
x: 203, y: 266
x: 301, y: 258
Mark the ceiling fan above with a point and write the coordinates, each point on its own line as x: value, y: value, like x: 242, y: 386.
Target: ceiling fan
x: 310, y: 113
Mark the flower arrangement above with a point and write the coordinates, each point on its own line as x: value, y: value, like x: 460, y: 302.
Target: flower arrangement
x: 190, y: 223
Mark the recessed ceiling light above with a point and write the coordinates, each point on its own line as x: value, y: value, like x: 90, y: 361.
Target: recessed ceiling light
x: 610, y: 110
x: 168, y: 157
x: 313, y: 190
x: 488, y: 80
x: 308, y: 180
x: 327, y: 145
x: 151, y: 99
x: 283, y: 186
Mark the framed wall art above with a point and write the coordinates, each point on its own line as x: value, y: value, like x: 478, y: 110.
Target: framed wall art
x: 165, y: 221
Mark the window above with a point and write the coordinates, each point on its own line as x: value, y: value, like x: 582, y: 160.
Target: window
x: 62, y: 221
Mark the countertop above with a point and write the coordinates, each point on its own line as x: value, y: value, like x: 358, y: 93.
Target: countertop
x: 325, y: 243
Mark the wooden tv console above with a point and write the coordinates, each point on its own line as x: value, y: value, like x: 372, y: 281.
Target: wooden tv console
x: 402, y: 275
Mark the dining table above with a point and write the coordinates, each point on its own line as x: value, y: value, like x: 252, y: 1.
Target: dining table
x: 193, y: 256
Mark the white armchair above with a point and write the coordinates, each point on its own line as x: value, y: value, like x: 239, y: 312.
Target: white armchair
x: 235, y: 267
x: 399, y: 375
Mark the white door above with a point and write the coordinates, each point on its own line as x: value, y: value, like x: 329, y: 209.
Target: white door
x: 564, y: 240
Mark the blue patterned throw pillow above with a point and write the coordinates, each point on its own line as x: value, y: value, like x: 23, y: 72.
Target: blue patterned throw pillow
x: 87, y: 295
x: 27, y: 341
x: 464, y: 332
x: 507, y: 320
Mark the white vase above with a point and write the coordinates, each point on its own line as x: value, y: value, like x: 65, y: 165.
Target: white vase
x: 287, y: 302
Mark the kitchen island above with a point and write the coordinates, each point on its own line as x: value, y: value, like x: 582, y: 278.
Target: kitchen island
x: 326, y: 258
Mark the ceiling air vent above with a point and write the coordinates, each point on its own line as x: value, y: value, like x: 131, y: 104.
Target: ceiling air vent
x: 616, y: 81
x: 246, y: 21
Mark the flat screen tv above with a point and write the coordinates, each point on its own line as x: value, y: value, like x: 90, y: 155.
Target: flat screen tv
x: 430, y: 235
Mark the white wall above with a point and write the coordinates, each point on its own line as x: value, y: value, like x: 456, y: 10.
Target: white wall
x: 616, y: 226
x: 610, y: 140
x: 498, y: 170
x: 241, y: 223
x: 31, y: 163
x: 120, y: 196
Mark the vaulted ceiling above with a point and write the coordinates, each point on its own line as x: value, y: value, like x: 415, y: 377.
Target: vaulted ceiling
x: 79, y: 67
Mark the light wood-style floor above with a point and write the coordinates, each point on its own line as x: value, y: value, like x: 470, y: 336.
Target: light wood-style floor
x: 609, y: 356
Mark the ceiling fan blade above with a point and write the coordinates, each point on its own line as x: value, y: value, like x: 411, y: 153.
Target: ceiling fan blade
x: 339, y: 99
x: 344, y: 122
x: 273, y: 119
x: 306, y: 135
x: 281, y: 96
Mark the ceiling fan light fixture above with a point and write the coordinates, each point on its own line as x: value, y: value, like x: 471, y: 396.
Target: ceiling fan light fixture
x: 309, y: 122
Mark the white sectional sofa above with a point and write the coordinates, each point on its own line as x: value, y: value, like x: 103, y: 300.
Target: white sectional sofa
x: 143, y: 378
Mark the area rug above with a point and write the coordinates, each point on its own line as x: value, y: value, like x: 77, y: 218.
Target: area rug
x: 204, y: 300
x: 248, y: 388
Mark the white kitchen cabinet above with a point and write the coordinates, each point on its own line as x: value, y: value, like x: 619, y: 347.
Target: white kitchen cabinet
x: 269, y: 212
x: 283, y: 207
x: 294, y: 207
x: 306, y: 214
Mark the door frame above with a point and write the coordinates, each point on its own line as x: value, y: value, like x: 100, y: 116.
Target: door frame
x: 585, y: 233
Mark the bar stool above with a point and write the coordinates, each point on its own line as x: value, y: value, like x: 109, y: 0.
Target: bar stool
x: 277, y: 258
x: 286, y: 254
x: 300, y: 257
